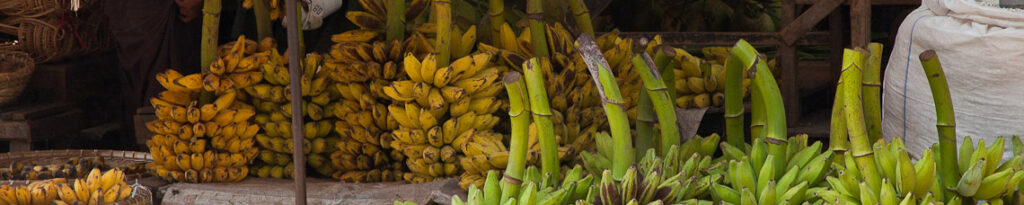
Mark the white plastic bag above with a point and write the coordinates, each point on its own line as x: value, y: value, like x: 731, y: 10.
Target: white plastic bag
x: 982, y: 53
x: 314, y: 13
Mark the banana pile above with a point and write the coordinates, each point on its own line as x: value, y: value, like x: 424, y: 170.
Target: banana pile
x: 982, y: 177
x: 901, y: 181
x: 74, y: 167
x: 536, y: 189
x: 758, y: 177
x: 272, y: 98
x: 96, y: 188
x: 238, y: 65
x: 440, y: 109
x: 199, y: 143
x: 276, y: 9
x: 598, y: 160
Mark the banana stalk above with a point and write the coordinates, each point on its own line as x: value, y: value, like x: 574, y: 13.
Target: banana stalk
x: 773, y: 112
x: 850, y: 81
x: 663, y: 60
x: 582, y: 16
x: 945, y: 122
x: 496, y: 13
x: 872, y: 92
x: 443, y: 9
x: 645, y: 119
x: 734, y: 95
x: 535, y: 11
x: 396, y: 19
x: 263, y: 26
x: 519, y: 105
x: 611, y: 100
x: 838, y: 141
x: 659, y: 96
x: 208, y: 46
x: 542, y: 117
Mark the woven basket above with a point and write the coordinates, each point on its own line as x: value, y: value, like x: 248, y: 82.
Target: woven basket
x: 29, y: 8
x: 15, y: 71
x: 112, y: 158
x: 43, y: 40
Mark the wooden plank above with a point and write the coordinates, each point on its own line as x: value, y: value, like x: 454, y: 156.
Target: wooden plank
x: 35, y: 111
x: 786, y: 57
x: 860, y: 23
x: 835, y: 53
x: 795, y: 30
x: 873, y: 2
x: 728, y: 38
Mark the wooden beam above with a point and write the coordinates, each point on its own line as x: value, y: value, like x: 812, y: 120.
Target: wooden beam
x: 786, y: 57
x: 796, y: 29
x: 728, y: 38
x: 860, y: 23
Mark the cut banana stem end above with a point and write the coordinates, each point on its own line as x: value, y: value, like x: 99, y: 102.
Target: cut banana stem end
x: 945, y: 122
x: 542, y: 117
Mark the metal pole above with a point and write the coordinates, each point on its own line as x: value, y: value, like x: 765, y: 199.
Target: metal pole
x: 298, y: 157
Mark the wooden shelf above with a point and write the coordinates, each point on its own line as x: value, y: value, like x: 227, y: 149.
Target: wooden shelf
x: 729, y: 38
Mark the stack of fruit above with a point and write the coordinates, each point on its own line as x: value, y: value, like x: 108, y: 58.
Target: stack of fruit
x: 272, y: 98
x: 701, y: 83
x: 199, y: 143
x: 362, y: 63
x: 75, y: 167
x: 95, y: 188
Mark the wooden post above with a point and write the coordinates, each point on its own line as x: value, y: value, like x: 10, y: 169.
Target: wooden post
x: 860, y: 23
x: 786, y: 58
x: 298, y: 154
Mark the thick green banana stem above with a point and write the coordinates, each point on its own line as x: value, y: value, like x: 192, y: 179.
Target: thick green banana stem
x: 582, y: 16
x: 611, y: 99
x: 542, y: 117
x: 739, y: 60
x: 211, y: 28
x: 519, y: 107
x: 872, y: 92
x: 496, y: 13
x: 838, y: 141
x: 663, y: 60
x: 657, y: 91
x: 774, y: 112
x: 443, y: 9
x: 944, y: 120
x: 850, y: 81
x: 535, y: 12
x: 262, y: 14
x: 645, y: 119
x: 396, y: 19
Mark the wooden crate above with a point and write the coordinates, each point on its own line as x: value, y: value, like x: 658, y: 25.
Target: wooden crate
x: 50, y: 125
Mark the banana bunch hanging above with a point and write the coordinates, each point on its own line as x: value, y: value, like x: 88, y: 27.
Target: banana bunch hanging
x: 272, y: 99
x: 759, y: 177
x: 199, y: 143
x: 96, y: 188
x: 439, y: 109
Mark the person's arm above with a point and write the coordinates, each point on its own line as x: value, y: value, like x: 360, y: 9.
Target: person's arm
x: 189, y: 10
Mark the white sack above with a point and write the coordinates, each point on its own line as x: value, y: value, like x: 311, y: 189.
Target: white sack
x: 982, y: 53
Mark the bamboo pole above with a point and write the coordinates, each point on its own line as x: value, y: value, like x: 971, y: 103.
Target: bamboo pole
x: 582, y: 16
x: 872, y: 92
x: 496, y: 13
x: 944, y: 119
x: 443, y: 11
x: 611, y: 100
x: 861, y: 150
x: 395, y: 22
x: 261, y: 13
x: 734, y: 68
x: 535, y: 12
x: 519, y: 106
x: 664, y: 107
x: 542, y: 117
x: 298, y: 156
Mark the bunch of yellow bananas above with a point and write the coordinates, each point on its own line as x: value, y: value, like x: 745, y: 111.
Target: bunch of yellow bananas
x: 701, y: 83
x: 199, y: 143
x: 275, y: 7
x: 440, y: 109
x: 96, y: 188
x: 274, y: 110
x: 364, y: 153
x: 372, y: 22
x: 75, y: 167
x: 238, y: 64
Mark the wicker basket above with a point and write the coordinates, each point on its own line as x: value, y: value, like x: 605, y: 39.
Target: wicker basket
x: 43, y: 40
x: 111, y: 158
x: 29, y: 8
x: 15, y: 71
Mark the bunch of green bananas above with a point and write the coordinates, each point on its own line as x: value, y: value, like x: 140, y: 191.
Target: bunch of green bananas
x: 758, y: 177
x: 600, y: 159
x: 272, y: 98
x: 199, y: 143
x: 576, y: 186
x: 907, y: 182
x: 982, y: 177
